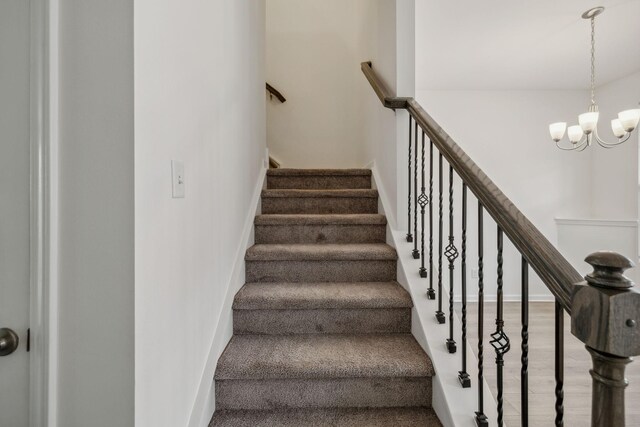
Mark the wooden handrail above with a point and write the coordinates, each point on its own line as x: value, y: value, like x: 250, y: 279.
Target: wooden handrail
x: 274, y: 92
x: 554, y: 270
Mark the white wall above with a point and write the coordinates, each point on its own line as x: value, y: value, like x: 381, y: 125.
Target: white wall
x: 14, y: 206
x: 199, y: 98
x: 314, y: 50
x: 505, y: 133
x: 96, y: 208
x: 614, y: 173
x: 391, y: 35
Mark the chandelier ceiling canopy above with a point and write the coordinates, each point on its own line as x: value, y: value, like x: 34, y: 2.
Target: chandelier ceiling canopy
x: 582, y: 135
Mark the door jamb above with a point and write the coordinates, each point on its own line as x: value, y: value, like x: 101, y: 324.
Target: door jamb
x: 43, y: 205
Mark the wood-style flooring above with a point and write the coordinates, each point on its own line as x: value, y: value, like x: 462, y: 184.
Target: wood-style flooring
x: 577, y: 387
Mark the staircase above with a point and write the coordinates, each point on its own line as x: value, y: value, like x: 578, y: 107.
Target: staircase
x: 322, y: 331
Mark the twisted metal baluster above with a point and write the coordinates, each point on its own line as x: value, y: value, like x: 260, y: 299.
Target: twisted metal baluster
x: 423, y: 200
x: 481, y: 418
x: 463, y: 376
x: 559, y: 364
x: 500, y: 341
x: 440, y: 313
x: 431, y: 293
x: 452, y: 253
x: 415, y: 253
x: 409, y: 236
x: 524, y: 360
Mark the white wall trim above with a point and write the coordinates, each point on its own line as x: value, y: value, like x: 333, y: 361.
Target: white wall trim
x: 204, y: 404
x: 383, y: 198
x: 592, y: 222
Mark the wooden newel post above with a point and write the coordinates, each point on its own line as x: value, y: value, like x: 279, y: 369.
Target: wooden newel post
x: 605, y: 315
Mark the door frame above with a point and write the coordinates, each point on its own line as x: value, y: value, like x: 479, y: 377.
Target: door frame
x: 43, y: 208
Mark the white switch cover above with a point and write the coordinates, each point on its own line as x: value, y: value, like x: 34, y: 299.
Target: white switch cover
x: 177, y: 179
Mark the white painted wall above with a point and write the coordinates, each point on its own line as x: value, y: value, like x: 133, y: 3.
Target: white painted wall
x: 580, y: 237
x: 314, y: 49
x: 14, y: 206
x: 391, y: 36
x: 96, y: 214
x: 614, y: 173
x: 199, y: 98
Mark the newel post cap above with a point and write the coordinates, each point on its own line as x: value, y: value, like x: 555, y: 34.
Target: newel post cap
x: 605, y: 308
x: 608, y: 270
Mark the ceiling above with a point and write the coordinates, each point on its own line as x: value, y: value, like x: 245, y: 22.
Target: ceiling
x: 507, y: 44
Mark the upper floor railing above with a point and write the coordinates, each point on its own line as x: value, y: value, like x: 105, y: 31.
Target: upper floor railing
x: 275, y: 92
x: 604, y: 309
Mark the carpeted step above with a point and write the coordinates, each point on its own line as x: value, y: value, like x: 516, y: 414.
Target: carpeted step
x: 370, y: 262
x: 307, y: 308
x: 309, y: 228
x: 319, y: 201
x: 315, y: 179
x: 302, y: 371
x: 347, y: 417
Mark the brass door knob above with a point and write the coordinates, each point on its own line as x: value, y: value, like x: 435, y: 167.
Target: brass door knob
x: 8, y: 341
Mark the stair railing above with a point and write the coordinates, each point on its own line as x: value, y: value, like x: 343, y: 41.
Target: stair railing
x: 275, y: 92
x: 604, y: 307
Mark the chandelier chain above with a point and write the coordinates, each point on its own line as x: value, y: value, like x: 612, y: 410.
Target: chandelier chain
x: 593, y: 60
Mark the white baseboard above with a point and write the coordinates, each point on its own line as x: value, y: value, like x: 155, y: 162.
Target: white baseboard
x: 204, y: 404
x: 383, y: 198
x: 431, y: 336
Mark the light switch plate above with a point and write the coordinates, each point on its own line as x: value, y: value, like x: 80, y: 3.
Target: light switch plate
x: 177, y: 179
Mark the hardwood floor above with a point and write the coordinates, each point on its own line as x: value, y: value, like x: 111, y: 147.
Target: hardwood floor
x: 577, y: 387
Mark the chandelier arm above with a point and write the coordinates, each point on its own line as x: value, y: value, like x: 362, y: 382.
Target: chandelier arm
x: 606, y: 144
x: 582, y: 144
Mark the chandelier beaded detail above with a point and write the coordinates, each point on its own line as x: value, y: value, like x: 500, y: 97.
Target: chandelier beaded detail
x: 581, y: 136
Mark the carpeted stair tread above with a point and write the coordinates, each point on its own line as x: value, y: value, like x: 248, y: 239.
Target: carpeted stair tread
x: 316, y: 219
x: 305, y: 296
x: 329, y: 417
x: 322, y: 356
x: 316, y: 194
x: 318, y: 172
x: 326, y: 252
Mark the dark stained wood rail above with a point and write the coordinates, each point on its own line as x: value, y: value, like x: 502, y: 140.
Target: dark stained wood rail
x: 275, y: 92
x: 554, y: 270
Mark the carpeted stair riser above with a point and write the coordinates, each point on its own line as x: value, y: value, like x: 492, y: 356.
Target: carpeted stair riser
x: 330, y: 233
x: 331, y: 417
x: 319, y: 202
x: 323, y: 393
x: 321, y: 271
x: 310, y: 228
x: 318, y: 321
x: 318, y: 179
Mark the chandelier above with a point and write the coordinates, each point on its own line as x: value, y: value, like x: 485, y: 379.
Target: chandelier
x: 581, y: 136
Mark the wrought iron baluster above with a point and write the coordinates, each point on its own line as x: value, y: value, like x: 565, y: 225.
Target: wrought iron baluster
x: 452, y: 253
x: 559, y: 364
x: 524, y: 360
x: 431, y: 293
x: 440, y: 313
x: 481, y: 418
x: 409, y: 235
x: 415, y: 253
x: 499, y: 340
x: 463, y: 376
x: 423, y: 200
